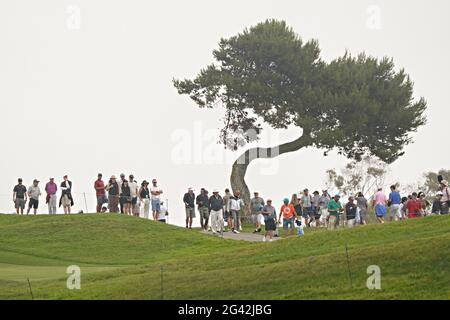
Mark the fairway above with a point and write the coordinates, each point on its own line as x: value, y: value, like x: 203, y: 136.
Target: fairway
x: 124, y: 258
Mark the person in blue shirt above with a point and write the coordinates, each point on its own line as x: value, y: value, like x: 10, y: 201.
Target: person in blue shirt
x: 394, y: 204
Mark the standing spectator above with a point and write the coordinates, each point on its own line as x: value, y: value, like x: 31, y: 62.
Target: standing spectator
x: 156, y: 193
x: 226, y: 208
x: 306, y: 201
x: 242, y: 205
x: 394, y: 203
x: 20, y: 196
x: 323, y: 207
x: 216, y: 210
x: 288, y: 213
x: 34, y: 192
x: 134, y: 190
x: 113, y: 195
x: 297, y: 205
x: 256, y: 206
x: 51, y: 188
x: 270, y: 217
x: 445, y: 200
x: 362, y: 204
x: 163, y: 213
x: 66, y: 199
x: 100, y: 192
x: 436, y: 207
x: 402, y: 209
x: 379, y: 202
x: 315, y: 208
x: 126, y: 195
x: 202, y: 202
x: 144, y: 196
x: 189, y: 204
x: 235, y: 208
x: 350, y: 212
x: 121, y: 198
x: 334, y: 210
x: 414, y: 207
x: 424, y: 203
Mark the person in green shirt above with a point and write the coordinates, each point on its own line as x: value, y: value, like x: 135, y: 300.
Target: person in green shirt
x: 334, y: 209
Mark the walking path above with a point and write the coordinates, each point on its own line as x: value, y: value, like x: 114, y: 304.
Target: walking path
x: 245, y: 236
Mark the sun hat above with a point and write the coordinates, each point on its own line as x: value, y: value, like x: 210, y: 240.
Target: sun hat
x: 444, y: 182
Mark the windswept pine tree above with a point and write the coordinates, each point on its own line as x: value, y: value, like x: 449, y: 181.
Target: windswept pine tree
x: 267, y: 75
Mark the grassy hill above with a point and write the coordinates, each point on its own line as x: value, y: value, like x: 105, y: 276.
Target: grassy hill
x: 121, y: 258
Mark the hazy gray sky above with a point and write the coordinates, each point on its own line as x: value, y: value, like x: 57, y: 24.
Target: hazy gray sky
x: 85, y: 87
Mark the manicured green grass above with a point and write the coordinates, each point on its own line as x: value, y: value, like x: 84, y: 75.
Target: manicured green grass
x: 122, y: 258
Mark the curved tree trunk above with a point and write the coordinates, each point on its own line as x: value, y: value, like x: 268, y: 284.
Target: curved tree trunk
x: 241, y: 164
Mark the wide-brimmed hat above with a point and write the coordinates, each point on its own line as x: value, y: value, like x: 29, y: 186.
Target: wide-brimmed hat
x: 444, y: 182
x: 113, y: 177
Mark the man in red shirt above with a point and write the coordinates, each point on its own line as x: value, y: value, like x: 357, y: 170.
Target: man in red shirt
x: 414, y: 206
x: 288, y: 212
x: 99, y: 186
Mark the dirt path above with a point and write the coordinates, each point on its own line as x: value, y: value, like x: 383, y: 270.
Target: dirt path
x: 244, y: 236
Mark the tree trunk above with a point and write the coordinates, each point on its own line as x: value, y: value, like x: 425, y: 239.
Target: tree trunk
x: 241, y: 164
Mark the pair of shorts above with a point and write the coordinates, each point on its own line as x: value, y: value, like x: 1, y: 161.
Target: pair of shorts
x: 256, y: 217
x: 308, y: 212
x: 380, y: 210
x: 190, y: 213
x: 20, y: 203
x: 134, y: 201
x: 270, y: 225
x: 65, y: 201
x: 227, y: 215
x: 288, y: 222
x: 316, y: 213
x: 394, y: 210
x: 101, y: 200
x: 156, y: 205
x: 204, y: 212
x: 33, y: 204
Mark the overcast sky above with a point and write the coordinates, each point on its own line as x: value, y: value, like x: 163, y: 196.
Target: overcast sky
x: 85, y: 87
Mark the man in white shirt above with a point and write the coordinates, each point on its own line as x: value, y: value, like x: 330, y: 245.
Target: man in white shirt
x: 34, y: 192
x: 134, y: 190
x: 156, y: 192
